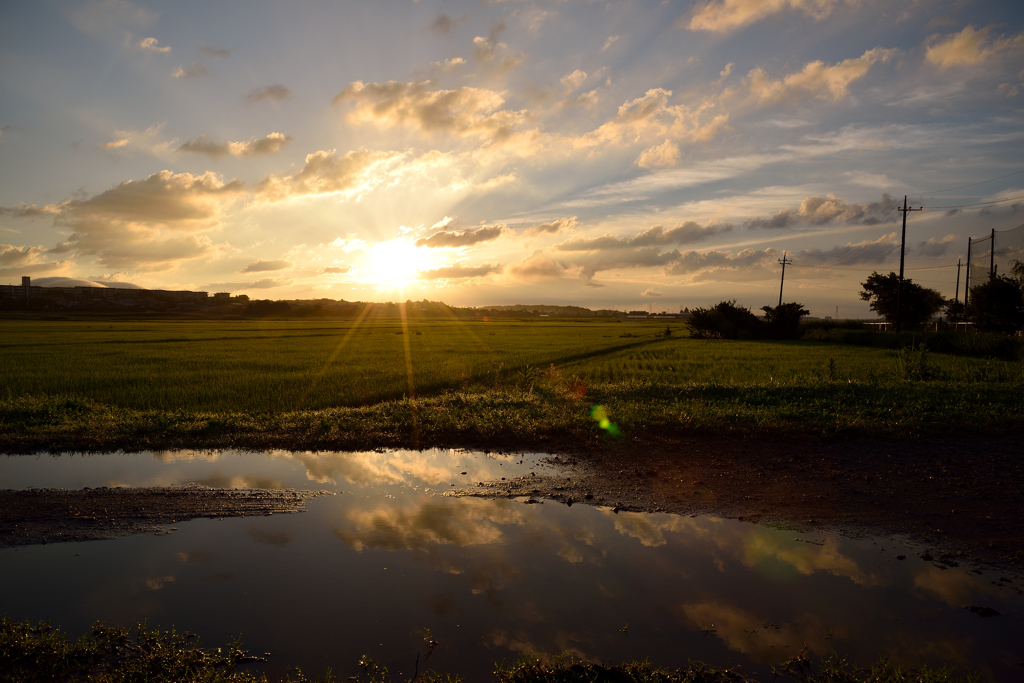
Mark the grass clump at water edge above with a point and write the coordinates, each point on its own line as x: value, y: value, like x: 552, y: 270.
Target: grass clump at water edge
x: 36, y: 653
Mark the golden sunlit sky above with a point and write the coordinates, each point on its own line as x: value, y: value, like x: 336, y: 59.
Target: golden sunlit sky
x: 605, y: 154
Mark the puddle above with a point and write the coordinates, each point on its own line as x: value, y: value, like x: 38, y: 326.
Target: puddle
x: 367, y: 570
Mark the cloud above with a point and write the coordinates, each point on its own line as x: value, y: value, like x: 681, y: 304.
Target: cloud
x: 553, y: 227
x: 265, y: 283
x: 634, y: 257
x: 651, y: 293
x: 574, y: 80
x: 148, y: 224
x: 351, y: 243
x: 11, y: 255
x: 211, y: 51
x: 936, y: 246
x: 261, y: 266
x: 485, y: 50
x: 30, y: 211
x: 463, y: 111
x: 193, y: 70
x: 325, y: 173
x: 451, y: 239
x: 970, y: 47
x: 816, y: 79
x: 725, y: 15
x: 269, y: 93
x: 662, y: 156
x: 608, y: 43
x: 271, y: 144
x: 869, y: 251
x: 688, y: 232
x: 689, y: 262
x: 652, y: 117
x: 151, y: 45
x: 148, y: 141
x: 444, y: 25
x: 536, y: 268
x: 334, y: 270
x: 459, y: 271
x: 820, y: 211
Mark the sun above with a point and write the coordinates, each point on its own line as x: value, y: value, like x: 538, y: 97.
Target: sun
x: 396, y: 262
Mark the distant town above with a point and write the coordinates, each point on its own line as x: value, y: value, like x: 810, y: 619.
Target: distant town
x: 84, y: 296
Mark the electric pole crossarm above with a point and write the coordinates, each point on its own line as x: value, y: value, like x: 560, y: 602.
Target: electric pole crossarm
x: 783, y: 261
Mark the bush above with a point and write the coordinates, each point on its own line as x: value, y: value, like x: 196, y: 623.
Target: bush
x: 783, y: 321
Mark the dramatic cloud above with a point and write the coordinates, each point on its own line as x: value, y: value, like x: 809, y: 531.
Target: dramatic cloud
x: 690, y: 262
x: 11, y: 255
x: 464, y: 111
x: 269, y: 93
x: 334, y: 270
x: 325, y: 172
x: 193, y: 70
x: 261, y: 266
x: 211, y: 51
x: 536, y: 268
x: 937, y: 246
x: 446, y: 238
x: 151, y: 45
x: 554, y: 227
x: 819, y: 211
x: 725, y: 15
x: 271, y: 144
x: 652, y: 117
x: 868, y: 251
x: 148, y: 224
x: 970, y: 47
x: 26, y: 211
x: 684, y: 233
x: 815, y: 80
x: 459, y: 271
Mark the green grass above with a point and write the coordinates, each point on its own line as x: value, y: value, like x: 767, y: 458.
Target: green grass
x: 101, y: 385
x: 37, y: 653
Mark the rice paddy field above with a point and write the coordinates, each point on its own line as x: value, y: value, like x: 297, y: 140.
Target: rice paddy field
x: 544, y: 376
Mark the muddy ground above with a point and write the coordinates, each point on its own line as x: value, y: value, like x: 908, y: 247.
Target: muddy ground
x: 54, y: 515
x: 964, y: 498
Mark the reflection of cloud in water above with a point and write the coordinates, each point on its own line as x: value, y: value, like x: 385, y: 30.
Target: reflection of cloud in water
x: 193, y: 556
x: 458, y: 521
x: 159, y: 582
x: 430, y: 467
x: 955, y: 588
x: 747, y: 543
x: 267, y: 537
x: 745, y: 632
x: 175, y: 456
x: 222, y: 481
x: 520, y: 642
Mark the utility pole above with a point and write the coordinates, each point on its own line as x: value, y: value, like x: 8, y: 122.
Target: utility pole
x: 992, y: 257
x: 956, y: 292
x: 903, y: 247
x: 783, y: 261
x: 967, y: 278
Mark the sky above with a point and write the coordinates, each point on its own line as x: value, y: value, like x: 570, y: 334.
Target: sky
x: 627, y: 154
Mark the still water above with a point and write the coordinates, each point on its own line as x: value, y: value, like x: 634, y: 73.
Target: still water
x: 367, y: 570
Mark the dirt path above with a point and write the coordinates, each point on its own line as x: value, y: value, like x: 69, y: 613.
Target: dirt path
x: 57, y: 515
x: 963, y: 497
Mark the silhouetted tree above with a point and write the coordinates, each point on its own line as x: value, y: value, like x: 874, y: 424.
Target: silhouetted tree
x: 783, y: 321
x: 918, y: 303
x: 997, y: 305
x: 954, y: 310
x: 724, y: 320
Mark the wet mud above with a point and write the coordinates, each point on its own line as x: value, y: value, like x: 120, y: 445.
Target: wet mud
x: 963, y: 498
x: 39, y: 516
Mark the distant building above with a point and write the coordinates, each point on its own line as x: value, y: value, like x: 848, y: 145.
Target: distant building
x: 222, y: 296
x: 96, y: 293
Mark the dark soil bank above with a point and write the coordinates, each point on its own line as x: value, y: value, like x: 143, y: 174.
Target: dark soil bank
x: 54, y: 515
x: 962, y: 496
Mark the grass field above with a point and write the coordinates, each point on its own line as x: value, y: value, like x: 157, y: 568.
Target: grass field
x: 250, y: 376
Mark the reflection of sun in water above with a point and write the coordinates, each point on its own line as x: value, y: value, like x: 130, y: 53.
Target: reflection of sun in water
x: 395, y: 262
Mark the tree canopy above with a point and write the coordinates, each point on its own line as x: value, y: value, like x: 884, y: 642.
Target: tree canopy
x: 918, y: 303
x: 997, y: 305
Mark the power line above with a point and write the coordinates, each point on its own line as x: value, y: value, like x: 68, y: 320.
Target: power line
x: 967, y: 206
x: 950, y: 189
